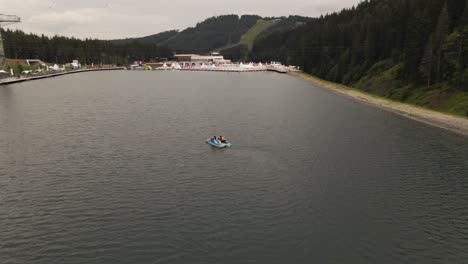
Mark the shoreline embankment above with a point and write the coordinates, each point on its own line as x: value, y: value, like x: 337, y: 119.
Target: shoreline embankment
x: 438, y: 119
x: 37, y: 77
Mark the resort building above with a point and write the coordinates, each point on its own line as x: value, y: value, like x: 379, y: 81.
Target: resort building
x: 213, y: 57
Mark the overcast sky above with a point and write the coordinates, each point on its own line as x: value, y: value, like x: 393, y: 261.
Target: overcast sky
x: 109, y: 19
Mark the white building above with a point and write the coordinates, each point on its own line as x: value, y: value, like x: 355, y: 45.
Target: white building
x: 213, y: 57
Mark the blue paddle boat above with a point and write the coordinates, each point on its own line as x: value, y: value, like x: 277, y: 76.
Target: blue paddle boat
x: 216, y: 143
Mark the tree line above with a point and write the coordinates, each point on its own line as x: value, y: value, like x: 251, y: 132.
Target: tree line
x: 58, y: 49
x: 415, y: 43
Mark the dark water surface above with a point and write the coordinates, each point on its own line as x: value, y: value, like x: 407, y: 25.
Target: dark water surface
x: 112, y: 167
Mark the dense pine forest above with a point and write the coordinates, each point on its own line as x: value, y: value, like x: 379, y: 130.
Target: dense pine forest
x: 57, y: 49
x: 408, y: 50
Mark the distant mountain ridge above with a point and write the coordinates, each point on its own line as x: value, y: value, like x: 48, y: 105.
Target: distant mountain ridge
x: 151, y: 39
x: 217, y: 33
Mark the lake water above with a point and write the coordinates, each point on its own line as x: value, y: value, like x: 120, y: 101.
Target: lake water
x: 112, y: 167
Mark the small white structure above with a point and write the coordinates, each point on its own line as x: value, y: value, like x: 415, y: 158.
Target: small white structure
x: 137, y: 65
x: 75, y: 64
x: 34, y: 62
x: 164, y: 67
x: 250, y: 65
x: 54, y: 68
x: 134, y: 66
x: 3, y: 74
x: 176, y: 66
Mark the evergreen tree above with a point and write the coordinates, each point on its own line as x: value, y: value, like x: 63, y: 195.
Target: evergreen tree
x: 456, y: 51
x: 440, y: 34
x: 427, y: 62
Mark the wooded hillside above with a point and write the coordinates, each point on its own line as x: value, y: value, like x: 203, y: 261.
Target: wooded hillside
x: 409, y: 50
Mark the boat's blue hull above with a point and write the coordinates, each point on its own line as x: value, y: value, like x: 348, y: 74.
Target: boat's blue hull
x: 221, y: 145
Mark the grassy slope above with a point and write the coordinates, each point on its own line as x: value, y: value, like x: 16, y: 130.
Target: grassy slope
x: 440, y: 97
x: 249, y: 37
x: 261, y: 25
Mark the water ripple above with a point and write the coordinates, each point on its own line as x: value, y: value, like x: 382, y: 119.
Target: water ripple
x: 119, y: 173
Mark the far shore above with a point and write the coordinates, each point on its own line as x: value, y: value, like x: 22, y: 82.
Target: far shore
x: 442, y: 120
x: 11, y: 80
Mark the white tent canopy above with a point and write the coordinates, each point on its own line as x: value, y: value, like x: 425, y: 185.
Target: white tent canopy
x: 176, y: 66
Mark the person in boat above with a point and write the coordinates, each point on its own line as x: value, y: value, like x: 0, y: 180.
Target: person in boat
x: 222, y: 139
x: 213, y: 138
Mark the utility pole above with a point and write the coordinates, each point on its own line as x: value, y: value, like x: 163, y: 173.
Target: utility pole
x: 5, y: 20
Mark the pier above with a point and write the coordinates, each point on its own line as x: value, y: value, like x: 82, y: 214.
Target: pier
x: 37, y: 77
x: 277, y: 69
x: 224, y: 69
